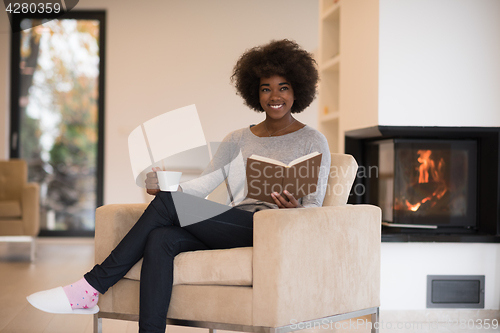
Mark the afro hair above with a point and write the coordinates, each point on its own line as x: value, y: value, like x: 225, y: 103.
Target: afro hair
x: 284, y: 58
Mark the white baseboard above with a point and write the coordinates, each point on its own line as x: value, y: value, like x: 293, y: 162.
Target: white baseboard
x: 440, y: 315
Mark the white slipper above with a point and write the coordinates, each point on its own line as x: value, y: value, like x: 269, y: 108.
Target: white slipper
x: 56, y: 301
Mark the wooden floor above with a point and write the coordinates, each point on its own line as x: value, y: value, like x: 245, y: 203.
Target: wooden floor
x: 58, y: 262
x: 62, y: 261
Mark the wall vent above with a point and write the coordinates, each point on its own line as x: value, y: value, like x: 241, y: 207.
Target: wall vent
x: 455, y: 291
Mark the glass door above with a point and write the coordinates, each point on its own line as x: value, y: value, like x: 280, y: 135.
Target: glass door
x: 57, y: 116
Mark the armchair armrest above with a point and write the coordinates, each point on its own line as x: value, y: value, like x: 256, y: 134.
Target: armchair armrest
x: 30, y: 205
x: 315, y: 262
x: 112, y: 224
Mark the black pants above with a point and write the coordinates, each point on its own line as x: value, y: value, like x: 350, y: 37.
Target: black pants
x: 158, y: 237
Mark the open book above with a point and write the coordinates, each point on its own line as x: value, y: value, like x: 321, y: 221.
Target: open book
x: 266, y: 175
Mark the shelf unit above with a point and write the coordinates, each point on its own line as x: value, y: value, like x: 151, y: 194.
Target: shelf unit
x: 329, y: 70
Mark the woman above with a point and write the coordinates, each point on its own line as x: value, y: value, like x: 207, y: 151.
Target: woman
x: 278, y: 79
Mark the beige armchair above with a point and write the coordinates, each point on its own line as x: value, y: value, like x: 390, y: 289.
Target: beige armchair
x: 308, y: 267
x: 19, y: 204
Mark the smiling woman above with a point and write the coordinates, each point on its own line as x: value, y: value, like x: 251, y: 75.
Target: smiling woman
x: 278, y: 79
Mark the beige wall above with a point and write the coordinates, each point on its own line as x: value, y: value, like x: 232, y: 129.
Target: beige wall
x: 162, y: 55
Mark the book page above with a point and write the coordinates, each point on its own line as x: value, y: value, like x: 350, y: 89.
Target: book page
x: 267, y: 159
x: 302, y: 178
x: 303, y: 158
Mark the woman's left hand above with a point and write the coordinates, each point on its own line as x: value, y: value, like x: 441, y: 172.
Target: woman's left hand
x: 282, y: 203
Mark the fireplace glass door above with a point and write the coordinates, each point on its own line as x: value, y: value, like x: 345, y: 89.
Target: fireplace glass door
x: 425, y: 182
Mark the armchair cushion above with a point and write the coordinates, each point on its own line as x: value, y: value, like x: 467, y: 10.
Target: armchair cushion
x: 231, y: 267
x: 10, y: 208
x: 11, y: 227
x: 342, y: 173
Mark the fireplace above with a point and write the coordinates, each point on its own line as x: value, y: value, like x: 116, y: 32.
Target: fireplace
x: 424, y: 182
x: 432, y: 183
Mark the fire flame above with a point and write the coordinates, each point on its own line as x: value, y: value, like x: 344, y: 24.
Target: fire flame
x: 411, y: 207
x: 425, y: 164
x: 428, y: 169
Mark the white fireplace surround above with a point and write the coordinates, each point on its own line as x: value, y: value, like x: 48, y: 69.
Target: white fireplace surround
x: 436, y: 65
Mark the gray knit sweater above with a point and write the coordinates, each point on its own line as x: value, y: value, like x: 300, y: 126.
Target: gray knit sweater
x: 230, y: 161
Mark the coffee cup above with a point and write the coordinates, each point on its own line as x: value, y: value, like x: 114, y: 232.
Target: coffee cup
x: 168, y: 180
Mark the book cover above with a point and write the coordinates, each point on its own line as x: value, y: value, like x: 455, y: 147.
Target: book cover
x: 266, y: 175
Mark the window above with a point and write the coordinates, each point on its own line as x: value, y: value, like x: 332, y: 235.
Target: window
x: 57, y: 114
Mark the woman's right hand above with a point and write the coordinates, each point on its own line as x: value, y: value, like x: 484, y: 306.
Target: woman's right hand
x: 152, y: 186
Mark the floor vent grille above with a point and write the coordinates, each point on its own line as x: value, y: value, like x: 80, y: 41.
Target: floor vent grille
x: 455, y: 291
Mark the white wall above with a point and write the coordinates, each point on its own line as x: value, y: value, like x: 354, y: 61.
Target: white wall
x: 439, y: 65
x: 162, y: 55
x: 405, y: 267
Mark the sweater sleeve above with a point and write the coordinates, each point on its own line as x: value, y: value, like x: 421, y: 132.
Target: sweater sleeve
x: 319, y: 144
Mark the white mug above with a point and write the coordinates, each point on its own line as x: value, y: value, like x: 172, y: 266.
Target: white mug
x: 168, y: 180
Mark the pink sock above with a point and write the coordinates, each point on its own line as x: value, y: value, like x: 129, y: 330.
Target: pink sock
x: 81, y: 294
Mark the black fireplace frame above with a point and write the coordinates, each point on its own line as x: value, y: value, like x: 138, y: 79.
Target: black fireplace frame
x: 488, y: 181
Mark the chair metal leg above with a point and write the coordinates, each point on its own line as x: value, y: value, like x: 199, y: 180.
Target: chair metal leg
x: 97, y: 324
x: 22, y: 239
x: 375, y: 321
x: 32, y: 250
x: 212, y: 330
